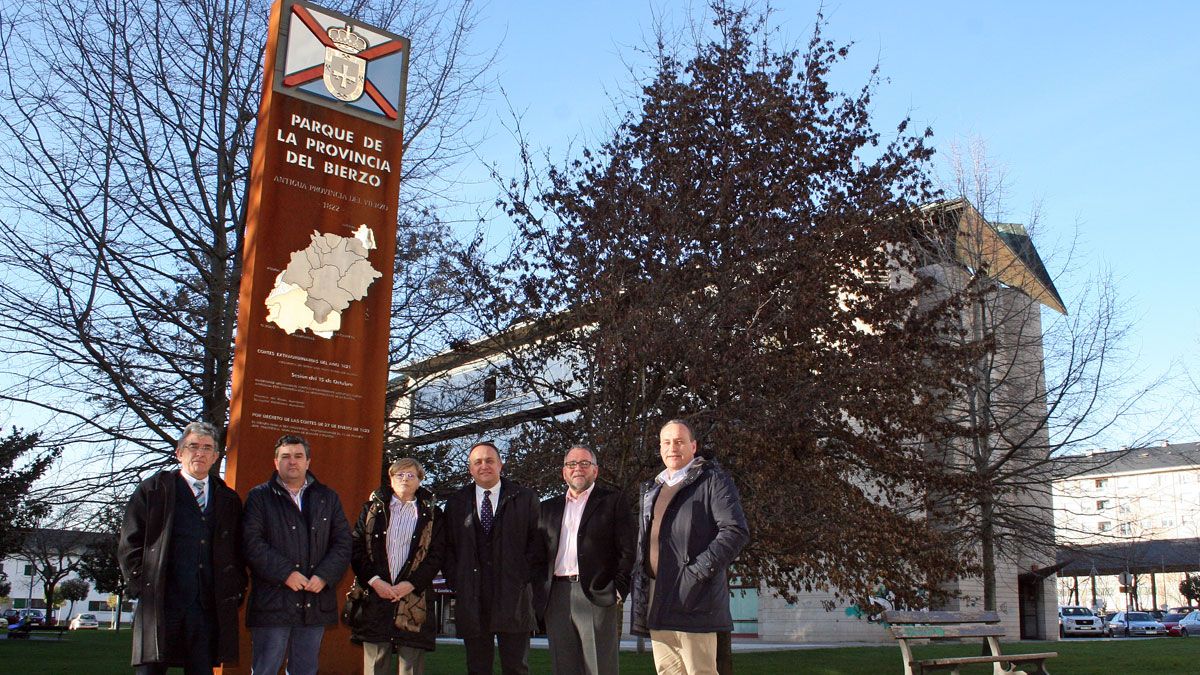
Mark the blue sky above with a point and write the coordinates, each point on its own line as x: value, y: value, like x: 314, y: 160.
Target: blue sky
x: 1091, y: 109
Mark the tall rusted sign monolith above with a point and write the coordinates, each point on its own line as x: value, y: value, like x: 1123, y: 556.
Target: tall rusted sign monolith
x: 312, y: 332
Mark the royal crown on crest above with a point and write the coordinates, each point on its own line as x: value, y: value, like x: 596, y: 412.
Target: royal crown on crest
x: 347, y: 40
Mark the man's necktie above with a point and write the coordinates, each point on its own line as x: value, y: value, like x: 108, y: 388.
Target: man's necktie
x: 485, y: 512
x: 199, y: 485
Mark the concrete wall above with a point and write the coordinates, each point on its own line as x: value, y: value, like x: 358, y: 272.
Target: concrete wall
x: 807, y: 621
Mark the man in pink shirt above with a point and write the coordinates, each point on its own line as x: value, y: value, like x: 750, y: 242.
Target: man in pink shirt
x: 589, y: 532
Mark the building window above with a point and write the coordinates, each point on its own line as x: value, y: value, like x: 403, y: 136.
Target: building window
x: 28, y: 570
x: 1168, y: 521
x: 1104, y: 526
x: 18, y: 603
x: 1101, y: 504
x: 1101, y: 482
x: 1125, y: 529
x: 489, y: 389
x: 97, y: 605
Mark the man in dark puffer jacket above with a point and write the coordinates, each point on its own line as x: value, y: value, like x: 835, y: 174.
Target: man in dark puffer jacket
x: 297, y: 543
x: 691, y: 527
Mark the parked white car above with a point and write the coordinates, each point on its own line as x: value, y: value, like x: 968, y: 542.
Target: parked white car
x: 1075, y: 620
x: 1190, y: 624
x: 1128, y: 624
x: 84, y: 621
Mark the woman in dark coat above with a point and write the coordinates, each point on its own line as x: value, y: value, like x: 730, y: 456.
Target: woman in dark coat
x: 397, y: 550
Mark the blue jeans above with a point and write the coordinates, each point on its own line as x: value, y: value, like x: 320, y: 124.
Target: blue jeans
x: 300, y: 645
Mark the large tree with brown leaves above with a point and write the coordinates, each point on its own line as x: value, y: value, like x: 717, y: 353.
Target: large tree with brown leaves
x: 737, y: 253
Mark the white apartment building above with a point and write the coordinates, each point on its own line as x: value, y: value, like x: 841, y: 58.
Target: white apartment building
x: 27, y: 591
x: 1128, y: 525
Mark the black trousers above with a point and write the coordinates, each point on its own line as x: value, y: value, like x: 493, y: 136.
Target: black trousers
x: 190, y: 639
x: 514, y: 653
x: 514, y: 647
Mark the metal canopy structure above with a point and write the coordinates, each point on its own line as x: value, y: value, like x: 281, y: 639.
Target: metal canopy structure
x: 1135, y: 557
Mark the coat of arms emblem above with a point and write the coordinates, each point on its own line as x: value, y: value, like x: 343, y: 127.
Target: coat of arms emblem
x: 345, y: 73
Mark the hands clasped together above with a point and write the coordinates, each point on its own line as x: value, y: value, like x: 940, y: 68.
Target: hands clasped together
x: 391, y: 592
x: 299, y: 582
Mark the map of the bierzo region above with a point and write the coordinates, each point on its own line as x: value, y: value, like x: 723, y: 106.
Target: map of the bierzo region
x: 321, y: 281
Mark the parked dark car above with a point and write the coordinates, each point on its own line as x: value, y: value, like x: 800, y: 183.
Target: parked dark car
x: 34, y: 617
x: 11, y: 615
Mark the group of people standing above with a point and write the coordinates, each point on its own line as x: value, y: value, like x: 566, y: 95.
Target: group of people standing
x: 511, y: 559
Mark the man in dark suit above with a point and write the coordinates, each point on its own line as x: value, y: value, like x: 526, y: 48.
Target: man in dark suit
x: 493, y: 551
x: 589, y: 536
x: 180, y: 550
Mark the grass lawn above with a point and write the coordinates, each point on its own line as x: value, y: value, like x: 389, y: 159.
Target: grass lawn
x: 102, y: 653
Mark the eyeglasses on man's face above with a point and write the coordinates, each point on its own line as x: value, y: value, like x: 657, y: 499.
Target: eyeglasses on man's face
x: 583, y: 464
x: 404, y: 475
x: 199, y: 448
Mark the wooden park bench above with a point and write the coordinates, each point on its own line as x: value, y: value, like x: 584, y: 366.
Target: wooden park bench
x: 58, y: 630
x: 908, y: 626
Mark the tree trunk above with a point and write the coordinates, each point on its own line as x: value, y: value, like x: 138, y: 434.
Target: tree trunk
x: 117, y: 618
x: 988, y: 553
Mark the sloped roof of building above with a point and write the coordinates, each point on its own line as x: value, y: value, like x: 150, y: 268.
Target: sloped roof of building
x: 1019, y: 242
x: 1164, y: 457
x: 1134, y: 556
x: 1004, y: 249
